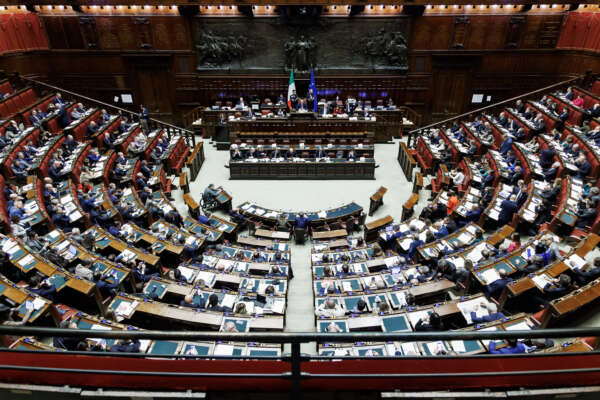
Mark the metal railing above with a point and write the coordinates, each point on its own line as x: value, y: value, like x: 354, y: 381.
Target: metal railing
x: 169, y: 129
x: 295, y: 358
x: 570, y: 81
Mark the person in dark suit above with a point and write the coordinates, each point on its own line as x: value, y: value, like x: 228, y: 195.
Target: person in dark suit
x: 520, y: 134
x: 302, y: 105
x: 431, y: 323
x: 35, y: 119
x: 564, y: 115
x: 236, y: 155
x: 320, y: 153
x: 63, y: 116
x: 92, y: 128
x: 351, y: 155
x: 506, y: 145
x: 106, y: 284
x: 584, y: 276
x: 473, y: 215
x: 513, y: 125
x: 503, y: 120
x: 140, y: 181
x: 584, y: 167
x: 276, y: 153
x: 586, y: 215
x: 550, y: 173
x: 539, y: 124
x: 58, y: 100
x: 108, y: 141
x: 241, y: 103
x: 547, y: 157
x: 493, y: 314
x: 294, y: 100
x: 494, y: 289
x: 521, y: 192
x: 54, y: 172
x: 515, y: 176
x: 291, y: 153
x: 519, y: 106
x: 508, y: 208
x: 569, y: 94
x: 70, y: 144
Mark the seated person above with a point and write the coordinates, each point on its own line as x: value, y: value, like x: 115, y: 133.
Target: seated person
x: 491, y: 311
x: 431, y: 323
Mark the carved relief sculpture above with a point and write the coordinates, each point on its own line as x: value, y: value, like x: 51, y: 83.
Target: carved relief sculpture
x: 216, y: 49
x: 300, y: 54
x: 386, y: 48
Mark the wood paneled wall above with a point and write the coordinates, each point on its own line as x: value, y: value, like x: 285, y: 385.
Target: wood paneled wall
x: 450, y: 58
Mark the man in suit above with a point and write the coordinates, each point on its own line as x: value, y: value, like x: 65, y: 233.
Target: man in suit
x: 108, y: 141
x: 508, y: 208
x: 539, y: 124
x: 519, y: 106
x: 302, y: 105
x: 520, y: 134
x: 547, y: 157
x: 584, y: 276
x: 35, y: 119
x: 104, y: 117
x: 569, y: 94
x: 91, y: 130
x: 564, y: 114
x: 515, y: 176
x: 584, y: 167
x: 144, y: 118
x: 550, y: 173
x: 123, y: 127
x: 63, y: 117
x: 140, y: 181
x: 586, y: 215
x: 58, y: 100
x: 70, y: 144
x: 291, y: 153
x: 494, y: 289
x: 294, y: 100
x: 473, y: 214
x: 54, y: 172
x: 503, y: 120
x: 521, y: 192
x: 320, y: 153
x: 506, y: 145
x: 78, y: 111
x: 276, y: 153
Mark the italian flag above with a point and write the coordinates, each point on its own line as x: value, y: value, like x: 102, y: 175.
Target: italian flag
x: 291, y: 88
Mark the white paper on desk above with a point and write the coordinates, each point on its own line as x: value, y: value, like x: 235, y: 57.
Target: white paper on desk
x: 409, y: 349
x: 475, y: 192
x: 62, y: 245
x: 246, y: 206
x: 98, y: 327
x: 465, y: 237
x: 529, y: 215
x: 278, y: 306
x: 436, y: 348
x: 187, y: 273
x: 346, y: 286
x: 521, y: 326
x: 458, y: 346
x: 541, y: 280
x: 322, y: 214
x: 494, y: 214
x: 405, y: 244
x: 124, y: 309
x: 26, y: 260
x: 390, y: 261
x: 66, y: 199
x: 415, y: 316
x: 458, y: 262
x: 127, y: 255
x: 207, y: 277
x: 228, y: 300
x: 418, y: 223
x: 10, y: 247
x: 489, y: 275
x: 222, y: 228
x: 576, y: 262
x: 259, y: 211
x: 223, y: 350
x: 38, y: 303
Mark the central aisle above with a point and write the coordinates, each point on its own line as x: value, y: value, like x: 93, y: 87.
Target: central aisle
x: 306, y: 195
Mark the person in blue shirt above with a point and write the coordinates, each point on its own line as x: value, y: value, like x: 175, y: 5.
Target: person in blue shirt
x: 302, y: 221
x: 442, y: 230
x: 493, y: 314
x: 115, y: 228
x: 210, y: 193
x: 203, y: 219
x: 513, y: 347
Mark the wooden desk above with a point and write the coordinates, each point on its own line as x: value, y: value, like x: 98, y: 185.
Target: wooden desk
x: 372, y: 228
x: 377, y: 200
x: 265, y: 233
x: 407, y: 208
x: 255, y: 242
x: 308, y: 169
x: 324, y: 235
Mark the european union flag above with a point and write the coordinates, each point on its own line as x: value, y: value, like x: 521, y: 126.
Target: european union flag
x: 313, y: 88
